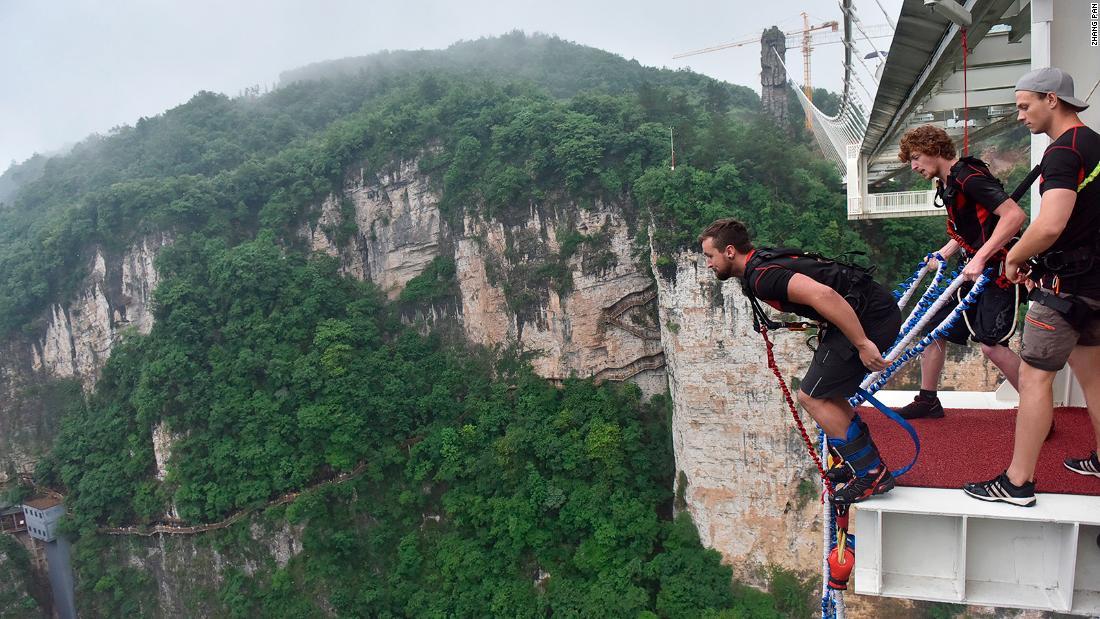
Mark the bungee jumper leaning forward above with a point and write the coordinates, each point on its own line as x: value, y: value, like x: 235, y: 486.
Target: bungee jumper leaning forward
x: 981, y: 220
x: 860, y: 318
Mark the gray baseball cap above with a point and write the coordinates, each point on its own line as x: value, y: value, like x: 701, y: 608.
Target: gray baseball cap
x: 1054, y: 80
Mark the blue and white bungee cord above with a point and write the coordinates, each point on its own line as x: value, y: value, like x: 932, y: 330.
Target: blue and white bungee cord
x: 897, y: 358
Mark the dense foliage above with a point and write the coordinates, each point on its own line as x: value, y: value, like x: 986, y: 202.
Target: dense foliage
x: 486, y: 490
x: 16, y: 600
x: 276, y: 373
x: 227, y: 168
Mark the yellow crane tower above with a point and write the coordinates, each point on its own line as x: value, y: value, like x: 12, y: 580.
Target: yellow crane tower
x: 807, y: 42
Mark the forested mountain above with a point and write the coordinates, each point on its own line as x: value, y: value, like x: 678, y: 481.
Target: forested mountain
x: 223, y: 165
x: 483, y: 490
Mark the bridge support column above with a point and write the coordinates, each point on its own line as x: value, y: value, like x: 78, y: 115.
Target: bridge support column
x: 856, y: 179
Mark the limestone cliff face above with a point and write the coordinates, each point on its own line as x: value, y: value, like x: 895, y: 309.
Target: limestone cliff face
x: 27, y: 426
x: 74, y: 341
x: 383, y: 228
x: 116, y: 296
x: 398, y: 229
x: 599, y: 328
x: 189, y: 570
x: 735, y: 442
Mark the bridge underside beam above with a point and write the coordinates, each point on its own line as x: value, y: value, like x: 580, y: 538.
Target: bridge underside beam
x: 925, y: 50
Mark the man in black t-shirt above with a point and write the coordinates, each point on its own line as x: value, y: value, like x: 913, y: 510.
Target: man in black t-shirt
x: 1063, y: 322
x: 862, y: 319
x: 981, y: 219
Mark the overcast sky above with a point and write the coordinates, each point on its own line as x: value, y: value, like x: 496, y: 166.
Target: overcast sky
x: 69, y: 68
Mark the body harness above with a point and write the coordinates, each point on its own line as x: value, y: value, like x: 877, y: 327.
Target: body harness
x: 977, y: 222
x: 1056, y: 265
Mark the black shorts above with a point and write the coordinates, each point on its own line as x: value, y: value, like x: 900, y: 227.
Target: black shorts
x: 836, y: 370
x: 992, y: 320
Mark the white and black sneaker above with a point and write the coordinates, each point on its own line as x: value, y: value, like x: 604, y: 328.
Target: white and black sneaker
x: 1000, y: 489
x: 1085, y: 466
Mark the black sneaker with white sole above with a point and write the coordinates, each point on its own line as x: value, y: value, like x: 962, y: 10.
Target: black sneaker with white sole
x: 922, y: 408
x: 1084, y: 466
x: 1000, y: 489
x: 857, y: 489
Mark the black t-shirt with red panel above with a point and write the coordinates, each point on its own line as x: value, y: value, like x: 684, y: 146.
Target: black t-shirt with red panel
x: 1065, y: 165
x: 768, y: 279
x: 971, y: 194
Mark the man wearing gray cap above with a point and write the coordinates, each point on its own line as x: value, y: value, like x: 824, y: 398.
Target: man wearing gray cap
x: 1060, y: 253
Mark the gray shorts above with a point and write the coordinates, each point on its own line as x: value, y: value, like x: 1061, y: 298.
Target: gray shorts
x: 1049, y: 339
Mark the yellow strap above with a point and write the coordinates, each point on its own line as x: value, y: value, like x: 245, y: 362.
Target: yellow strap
x: 1091, y: 177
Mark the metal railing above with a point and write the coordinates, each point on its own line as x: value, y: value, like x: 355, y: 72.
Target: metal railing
x: 893, y: 204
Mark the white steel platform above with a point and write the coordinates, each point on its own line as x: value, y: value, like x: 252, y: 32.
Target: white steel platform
x: 941, y: 545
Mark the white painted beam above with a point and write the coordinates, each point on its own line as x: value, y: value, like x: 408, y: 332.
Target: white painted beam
x: 941, y: 545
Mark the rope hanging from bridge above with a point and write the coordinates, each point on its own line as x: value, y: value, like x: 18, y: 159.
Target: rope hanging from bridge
x: 966, y: 105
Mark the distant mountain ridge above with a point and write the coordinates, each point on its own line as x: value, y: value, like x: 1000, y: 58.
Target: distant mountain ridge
x: 561, y: 67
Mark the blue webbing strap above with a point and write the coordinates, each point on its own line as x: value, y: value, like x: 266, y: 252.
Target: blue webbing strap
x: 889, y: 412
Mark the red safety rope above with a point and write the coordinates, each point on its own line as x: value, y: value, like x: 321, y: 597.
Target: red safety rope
x: 794, y: 412
x: 966, y: 106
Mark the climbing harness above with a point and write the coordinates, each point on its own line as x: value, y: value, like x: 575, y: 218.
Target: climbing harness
x: 761, y: 322
x: 1060, y: 264
x: 1067, y: 262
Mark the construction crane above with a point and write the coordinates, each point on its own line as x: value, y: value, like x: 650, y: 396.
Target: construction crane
x: 879, y: 31
x: 805, y: 34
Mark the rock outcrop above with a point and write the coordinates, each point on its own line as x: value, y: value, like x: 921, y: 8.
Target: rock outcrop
x: 116, y: 296
x: 74, y: 341
x: 188, y: 571
x: 745, y: 474
x: 398, y: 229
x: 773, y: 75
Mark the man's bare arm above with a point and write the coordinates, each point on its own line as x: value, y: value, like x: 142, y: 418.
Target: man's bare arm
x: 1012, y: 218
x: 1054, y: 212
x: 834, y: 309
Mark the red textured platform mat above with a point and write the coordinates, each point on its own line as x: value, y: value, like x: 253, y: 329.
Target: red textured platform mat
x: 975, y: 445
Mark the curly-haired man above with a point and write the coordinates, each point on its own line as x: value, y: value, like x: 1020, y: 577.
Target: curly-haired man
x: 981, y: 220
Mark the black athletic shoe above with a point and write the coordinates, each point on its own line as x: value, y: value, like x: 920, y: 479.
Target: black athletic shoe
x: 840, y: 474
x: 1084, y: 466
x: 922, y: 408
x: 1000, y: 489
x: 860, y: 488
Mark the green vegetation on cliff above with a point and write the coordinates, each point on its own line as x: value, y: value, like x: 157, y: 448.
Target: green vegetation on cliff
x: 16, y: 581
x: 495, y: 146
x: 486, y: 491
